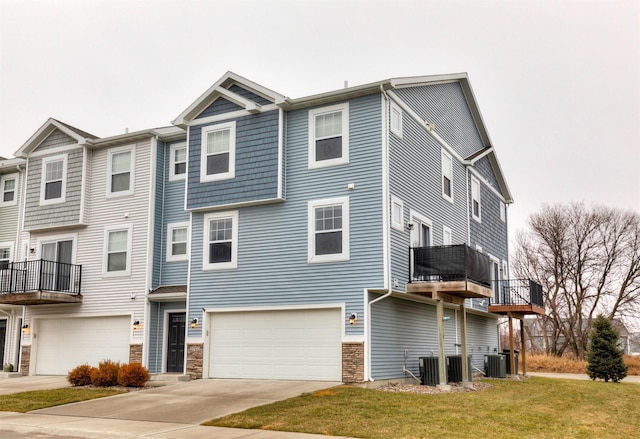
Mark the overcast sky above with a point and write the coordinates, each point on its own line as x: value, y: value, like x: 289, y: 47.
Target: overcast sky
x: 557, y: 82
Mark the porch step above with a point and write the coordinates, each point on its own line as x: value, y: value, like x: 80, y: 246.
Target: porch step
x: 10, y: 374
x: 169, y: 377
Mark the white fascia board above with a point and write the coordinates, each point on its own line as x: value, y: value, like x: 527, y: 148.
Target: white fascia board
x: 416, y: 81
x: 43, y: 132
x: 249, y: 105
x: 208, y: 96
x: 497, y: 169
x: 226, y: 116
x: 11, y: 164
x: 234, y: 78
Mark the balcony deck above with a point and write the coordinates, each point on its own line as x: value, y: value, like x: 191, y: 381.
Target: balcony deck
x: 451, y: 273
x: 40, y: 282
x: 517, y: 298
x: 461, y: 289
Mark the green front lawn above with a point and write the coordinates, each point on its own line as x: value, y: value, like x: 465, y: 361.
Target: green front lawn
x: 39, y: 399
x: 534, y: 408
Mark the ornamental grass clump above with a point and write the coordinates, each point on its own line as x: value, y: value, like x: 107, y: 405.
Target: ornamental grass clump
x: 80, y: 375
x: 133, y: 375
x: 106, y: 374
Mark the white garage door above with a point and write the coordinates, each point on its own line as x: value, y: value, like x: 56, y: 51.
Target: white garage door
x: 63, y: 344
x: 293, y: 344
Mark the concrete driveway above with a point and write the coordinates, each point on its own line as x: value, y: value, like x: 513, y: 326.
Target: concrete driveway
x: 190, y: 402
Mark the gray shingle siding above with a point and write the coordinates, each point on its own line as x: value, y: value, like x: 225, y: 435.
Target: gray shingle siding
x: 219, y: 106
x: 273, y: 266
x: 256, y: 166
x: 248, y: 95
x: 56, y: 139
x: 59, y: 214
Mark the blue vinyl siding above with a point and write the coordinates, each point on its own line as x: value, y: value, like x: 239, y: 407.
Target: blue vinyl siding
x: 219, y: 106
x: 398, y: 324
x: 491, y: 232
x: 445, y: 106
x: 256, y: 164
x: 175, y: 272
x: 248, y: 95
x: 273, y: 266
x: 158, y: 207
x: 415, y: 178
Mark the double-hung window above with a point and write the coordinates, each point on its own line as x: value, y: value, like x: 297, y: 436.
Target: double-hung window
x: 117, y: 244
x: 121, y: 171
x: 218, y: 152
x: 178, y: 162
x: 8, y: 187
x: 447, y: 176
x: 54, y: 176
x: 329, y: 136
x: 5, y: 255
x: 220, y: 241
x: 177, y: 242
x: 476, y: 207
x: 328, y: 230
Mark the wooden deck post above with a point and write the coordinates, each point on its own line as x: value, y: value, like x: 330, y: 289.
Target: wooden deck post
x: 463, y: 342
x: 523, y: 350
x: 442, y: 365
x: 512, y: 360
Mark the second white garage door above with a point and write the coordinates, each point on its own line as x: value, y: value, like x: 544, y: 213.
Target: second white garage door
x: 292, y: 344
x: 63, y: 344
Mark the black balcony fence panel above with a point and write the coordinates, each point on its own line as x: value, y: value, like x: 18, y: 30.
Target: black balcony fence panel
x: 450, y: 263
x: 40, y: 275
x: 519, y: 292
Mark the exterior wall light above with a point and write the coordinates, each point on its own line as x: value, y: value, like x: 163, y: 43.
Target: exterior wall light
x: 26, y: 329
x: 194, y: 323
x: 136, y: 324
x: 353, y: 318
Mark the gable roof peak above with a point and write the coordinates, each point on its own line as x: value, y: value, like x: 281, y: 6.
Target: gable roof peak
x: 221, y: 89
x: 80, y: 136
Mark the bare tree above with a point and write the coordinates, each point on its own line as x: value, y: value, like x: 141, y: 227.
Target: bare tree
x: 588, y: 262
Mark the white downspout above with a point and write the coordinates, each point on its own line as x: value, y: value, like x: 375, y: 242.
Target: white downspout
x: 386, y: 243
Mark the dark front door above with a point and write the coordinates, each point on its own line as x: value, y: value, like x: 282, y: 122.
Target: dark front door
x: 175, y: 354
x: 3, y: 337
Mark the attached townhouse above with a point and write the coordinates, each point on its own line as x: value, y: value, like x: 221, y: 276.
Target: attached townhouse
x: 340, y: 236
x: 303, y: 218
x: 85, y: 241
x: 11, y: 181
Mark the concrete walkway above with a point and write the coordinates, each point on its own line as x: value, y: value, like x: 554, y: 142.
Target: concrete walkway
x: 577, y: 376
x: 172, y: 411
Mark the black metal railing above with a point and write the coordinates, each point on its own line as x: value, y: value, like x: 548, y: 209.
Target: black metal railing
x: 449, y: 263
x: 518, y: 292
x: 40, y: 275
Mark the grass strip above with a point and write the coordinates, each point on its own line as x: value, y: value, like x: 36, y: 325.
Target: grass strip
x: 23, y: 402
x: 534, y: 408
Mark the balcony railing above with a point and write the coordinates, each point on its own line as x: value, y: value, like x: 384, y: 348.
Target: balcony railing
x: 516, y: 292
x: 40, y: 275
x: 449, y: 263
